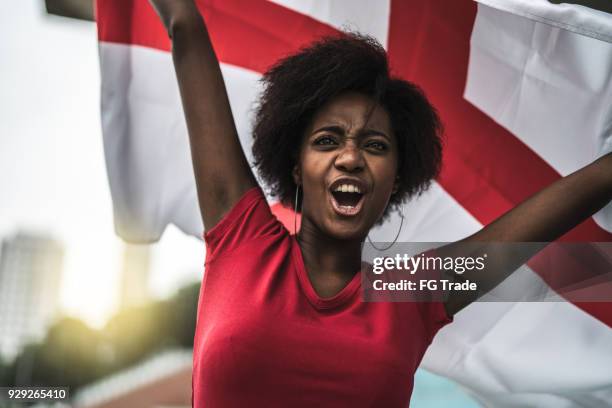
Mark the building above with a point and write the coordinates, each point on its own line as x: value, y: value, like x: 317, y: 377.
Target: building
x: 30, y: 273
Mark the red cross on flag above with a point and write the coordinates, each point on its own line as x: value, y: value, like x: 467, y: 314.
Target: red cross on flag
x: 524, y: 89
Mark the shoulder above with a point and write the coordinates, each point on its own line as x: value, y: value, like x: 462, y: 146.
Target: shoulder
x: 249, y: 220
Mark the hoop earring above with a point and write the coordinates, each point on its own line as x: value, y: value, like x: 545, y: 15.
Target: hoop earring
x: 396, y: 236
x: 297, y: 190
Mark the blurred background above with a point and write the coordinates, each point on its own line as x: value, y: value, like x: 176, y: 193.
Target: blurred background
x: 78, y: 306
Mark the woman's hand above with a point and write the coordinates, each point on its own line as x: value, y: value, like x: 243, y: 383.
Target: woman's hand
x: 175, y: 12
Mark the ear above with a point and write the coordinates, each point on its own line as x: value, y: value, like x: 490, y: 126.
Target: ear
x: 297, y: 175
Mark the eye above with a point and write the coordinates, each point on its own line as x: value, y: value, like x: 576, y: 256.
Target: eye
x: 325, y: 141
x: 377, y: 145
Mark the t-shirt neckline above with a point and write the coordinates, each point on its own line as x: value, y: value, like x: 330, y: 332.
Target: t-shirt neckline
x: 343, y: 296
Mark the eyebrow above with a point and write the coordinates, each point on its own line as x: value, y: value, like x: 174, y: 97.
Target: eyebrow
x: 339, y: 130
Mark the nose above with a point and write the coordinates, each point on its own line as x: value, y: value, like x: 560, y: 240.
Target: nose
x: 350, y: 158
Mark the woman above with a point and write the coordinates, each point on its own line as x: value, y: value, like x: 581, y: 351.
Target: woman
x: 280, y: 321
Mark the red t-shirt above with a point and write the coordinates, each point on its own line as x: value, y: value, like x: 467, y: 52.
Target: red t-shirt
x: 264, y: 338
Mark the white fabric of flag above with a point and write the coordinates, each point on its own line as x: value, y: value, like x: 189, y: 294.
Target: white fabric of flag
x: 577, y: 18
x: 548, y: 86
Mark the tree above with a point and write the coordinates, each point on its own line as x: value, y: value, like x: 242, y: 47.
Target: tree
x: 72, y: 354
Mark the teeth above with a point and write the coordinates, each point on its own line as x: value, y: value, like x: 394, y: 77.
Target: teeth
x: 348, y: 188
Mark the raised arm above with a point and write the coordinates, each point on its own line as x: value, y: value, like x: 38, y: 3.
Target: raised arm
x: 544, y: 217
x: 222, y: 172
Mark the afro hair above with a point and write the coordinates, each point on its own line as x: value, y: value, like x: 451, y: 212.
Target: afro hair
x: 298, y: 85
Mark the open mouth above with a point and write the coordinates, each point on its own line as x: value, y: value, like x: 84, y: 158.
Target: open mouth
x: 347, y: 200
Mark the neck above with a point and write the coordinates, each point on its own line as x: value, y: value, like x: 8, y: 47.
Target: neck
x: 328, y: 255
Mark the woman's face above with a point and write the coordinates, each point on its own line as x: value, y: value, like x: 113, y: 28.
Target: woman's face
x: 347, y: 166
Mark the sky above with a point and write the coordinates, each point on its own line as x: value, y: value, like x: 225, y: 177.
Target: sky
x: 52, y: 172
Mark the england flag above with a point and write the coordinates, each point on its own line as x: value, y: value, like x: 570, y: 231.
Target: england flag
x: 524, y: 89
